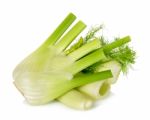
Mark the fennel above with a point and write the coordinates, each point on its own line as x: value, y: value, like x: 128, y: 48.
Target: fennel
x: 53, y: 70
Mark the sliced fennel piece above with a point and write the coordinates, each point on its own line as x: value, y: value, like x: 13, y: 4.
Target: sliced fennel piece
x: 76, y: 100
x: 96, y: 90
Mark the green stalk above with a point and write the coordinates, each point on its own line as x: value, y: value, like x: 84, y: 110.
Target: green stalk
x: 85, y: 49
x: 107, y: 48
x: 70, y: 36
x: 89, y: 78
x: 86, y: 61
x: 79, y: 81
x: 59, y: 30
x: 96, y: 90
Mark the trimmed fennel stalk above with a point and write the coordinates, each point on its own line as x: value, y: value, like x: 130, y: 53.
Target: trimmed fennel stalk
x: 70, y: 36
x: 44, y: 75
x: 59, y: 31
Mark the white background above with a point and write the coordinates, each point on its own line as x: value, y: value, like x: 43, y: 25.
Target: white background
x: 25, y: 24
